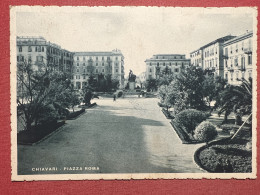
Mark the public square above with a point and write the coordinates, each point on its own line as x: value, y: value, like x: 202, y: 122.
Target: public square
x: 130, y: 135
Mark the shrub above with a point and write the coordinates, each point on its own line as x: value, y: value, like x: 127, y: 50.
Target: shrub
x: 205, y: 132
x: 119, y: 94
x: 189, y: 119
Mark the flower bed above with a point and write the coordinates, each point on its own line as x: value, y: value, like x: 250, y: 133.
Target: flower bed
x: 225, y: 156
x: 38, y: 132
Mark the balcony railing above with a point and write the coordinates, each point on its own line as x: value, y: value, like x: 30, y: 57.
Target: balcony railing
x: 248, y: 51
x: 225, y: 57
x: 231, y: 69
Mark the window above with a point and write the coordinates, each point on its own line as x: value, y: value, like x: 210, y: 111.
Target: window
x: 158, y: 64
x: 20, y: 58
x: 84, y: 70
x: 77, y: 64
x: 236, y: 62
x: 84, y: 64
x: 237, y: 76
x: 249, y: 75
x: 42, y: 49
x: 103, y: 70
x: 102, y: 57
x: 97, y: 58
x: 231, y: 76
x: 226, y: 51
x: 84, y: 77
x: 96, y: 64
x: 249, y: 59
x: 226, y: 76
x: 77, y: 58
x: 150, y: 64
x: 84, y: 58
x: 77, y: 70
x: 20, y: 49
x: 176, y: 69
x: 116, y: 58
x: 39, y: 58
x: 38, y: 49
x: 164, y: 64
x: 243, y: 75
x: 102, y: 63
x: 116, y: 70
x: 96, y: 70
x: 150, y: 70
x: 29, y: 59
x: 29, y: 49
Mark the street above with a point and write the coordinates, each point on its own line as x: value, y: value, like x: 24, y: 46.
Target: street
x: 130, y: 135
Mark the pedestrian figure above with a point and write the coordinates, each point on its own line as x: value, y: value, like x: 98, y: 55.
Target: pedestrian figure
x: 114, y: 97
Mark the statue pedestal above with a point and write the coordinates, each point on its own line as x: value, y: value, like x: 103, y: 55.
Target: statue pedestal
x: 131, y: 85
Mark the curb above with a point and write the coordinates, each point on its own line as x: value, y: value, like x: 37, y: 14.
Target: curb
x: 197, y: 152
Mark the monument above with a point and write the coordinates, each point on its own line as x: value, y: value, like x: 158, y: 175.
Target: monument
x: 131, y: 80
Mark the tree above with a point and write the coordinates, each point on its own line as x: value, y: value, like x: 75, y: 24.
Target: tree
x: 151, y: 85
x: 237, y: 99
x: 39, y: 94
x: 189, y: 88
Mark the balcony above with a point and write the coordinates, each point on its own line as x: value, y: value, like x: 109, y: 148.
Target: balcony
x: 231, y: 69
x: 242, y: 68
x: 225, y: 57
x: 248, y: 51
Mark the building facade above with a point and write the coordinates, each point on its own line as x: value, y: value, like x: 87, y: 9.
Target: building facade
x: 97, y: 63
x: 197, y: 58
x: 41, y: 54
x: 238, y: 58
x: 210, y: 56
x: 172, y: 63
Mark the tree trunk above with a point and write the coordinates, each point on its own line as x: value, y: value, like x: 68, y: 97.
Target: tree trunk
x: 225, y: 117
x: 238, y: 120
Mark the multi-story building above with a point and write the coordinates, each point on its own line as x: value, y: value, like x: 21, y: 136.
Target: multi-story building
x: 238, y: 58
x: 97, y: 63
x: 210, y: 56
x: 40, y: 53
x: 172, y: 63
x: 197, y: 58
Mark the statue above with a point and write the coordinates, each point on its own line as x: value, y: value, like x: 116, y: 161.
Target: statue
x: 131, y: 77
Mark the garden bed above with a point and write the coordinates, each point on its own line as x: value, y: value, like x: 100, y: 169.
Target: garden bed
x: 225, y: 156
x: 38, y: 133
x: 74, y: 115
x: 167, y: 114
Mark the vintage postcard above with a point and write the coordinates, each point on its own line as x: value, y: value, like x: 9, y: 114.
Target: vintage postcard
x: 133, y: 92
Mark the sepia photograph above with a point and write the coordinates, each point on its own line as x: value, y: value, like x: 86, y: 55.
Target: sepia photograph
x: 133, y: 92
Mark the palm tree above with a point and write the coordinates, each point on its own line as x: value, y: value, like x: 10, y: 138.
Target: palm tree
x: 237, y: 99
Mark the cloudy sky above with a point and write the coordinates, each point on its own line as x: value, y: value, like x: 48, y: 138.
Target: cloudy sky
x: 138, y: 32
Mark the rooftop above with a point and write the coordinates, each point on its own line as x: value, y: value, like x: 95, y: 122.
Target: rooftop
x: 98, y: 53
x: 240, y: 37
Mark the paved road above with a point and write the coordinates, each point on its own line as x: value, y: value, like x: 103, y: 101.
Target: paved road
x: 130, y: 135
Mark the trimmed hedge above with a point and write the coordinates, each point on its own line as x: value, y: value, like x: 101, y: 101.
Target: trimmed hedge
x: 188, y: 119
x: 205, y: 132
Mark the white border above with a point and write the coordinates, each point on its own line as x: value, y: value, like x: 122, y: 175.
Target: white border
x: 15, y: 177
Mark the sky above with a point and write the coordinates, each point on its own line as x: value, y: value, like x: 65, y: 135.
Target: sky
x: 139, y: 32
